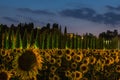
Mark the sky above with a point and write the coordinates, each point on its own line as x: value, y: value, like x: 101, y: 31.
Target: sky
x: 79, y: 16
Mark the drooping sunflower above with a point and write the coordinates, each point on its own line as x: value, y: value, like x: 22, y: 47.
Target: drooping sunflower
x: 27, y: 63
x: 5, y: 75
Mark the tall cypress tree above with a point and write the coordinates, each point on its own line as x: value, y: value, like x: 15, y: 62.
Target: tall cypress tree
x: 60, y: 39
x: 77, y: 41
x: 5, y: 40
x: 24, y: 40
x: 32, y: 38
x: 9, y: 40
x: 48, y: 41
x: 18, y: 43
x: 65, y: 30
x: 13, y: 41
x: 73, y: 42
x: 37, y: 39
x: 43, y: 40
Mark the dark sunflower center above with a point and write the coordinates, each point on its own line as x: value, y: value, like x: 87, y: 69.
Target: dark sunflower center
x: 59, y: 52
x: 118, y: 68
x: 27, y: 60
x: 84, y: 68
x: 3, y: 76
x: 92, y: 60
x: 78, y: 58
x: 77, y: 75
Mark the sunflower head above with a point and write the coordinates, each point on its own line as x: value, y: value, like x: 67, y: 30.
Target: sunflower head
x: 67, y: 73
x: 118, y: 68
x: 52, y: 61
x: 78, y: 58
x: 84, y: 68
x: 27, y: 61
x: 74, y: 65
x: 92, y: 60
x: 53, y: 69
x: 27, y: 64
x: 68, y: 57
x: 59, y: 53
x: 3, y: 53
x: 77, y: 75
x: 68, y: 51
x: 86, y: 60
x: 5, y: 75
x: 107, y: 61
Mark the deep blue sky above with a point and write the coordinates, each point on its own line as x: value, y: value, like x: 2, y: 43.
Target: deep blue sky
x: 79, y: 16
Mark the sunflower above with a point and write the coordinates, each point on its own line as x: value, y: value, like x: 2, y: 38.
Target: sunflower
x: 52, y: 61
x: 107, y: 61
x: 68, y: 51
x: 67, y: 73
x: 56, y: 77
x: 92, y: 60
x: 59, y: 53
x: 112, y: 60
x: 117, y: 59
x: 68, y: 57
x: 18, y: 50
x: 51, y: 75
x: 86, y: 60
x: 58, y: 61
x: 53, y: 69
x: 76, y: 75
x: 117, y: 68
x: 78, y: 58
x: 84, y: 68
x: 47, y: 56
x: 27, y: 63
x: 3, y: 52
x: 74, y: 65
x: 5, y: 75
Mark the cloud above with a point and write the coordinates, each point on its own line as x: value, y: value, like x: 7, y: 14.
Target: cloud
x: 111, y: 18
x: 27, y: 18
x: 28, y: 10
x: 10, y: 19
x: 84, y: 13
x: 113, y: 8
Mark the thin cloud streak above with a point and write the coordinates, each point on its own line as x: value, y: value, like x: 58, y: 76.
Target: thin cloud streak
x: 28, y: 10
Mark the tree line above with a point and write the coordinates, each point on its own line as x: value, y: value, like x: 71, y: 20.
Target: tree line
x: 49, y: 37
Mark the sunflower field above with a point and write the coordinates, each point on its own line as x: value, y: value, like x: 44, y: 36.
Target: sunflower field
x: 59, y: 64
x: 51, y: 55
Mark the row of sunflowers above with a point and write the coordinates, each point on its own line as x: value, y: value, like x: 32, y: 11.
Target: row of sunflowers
x: 59, y: 64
